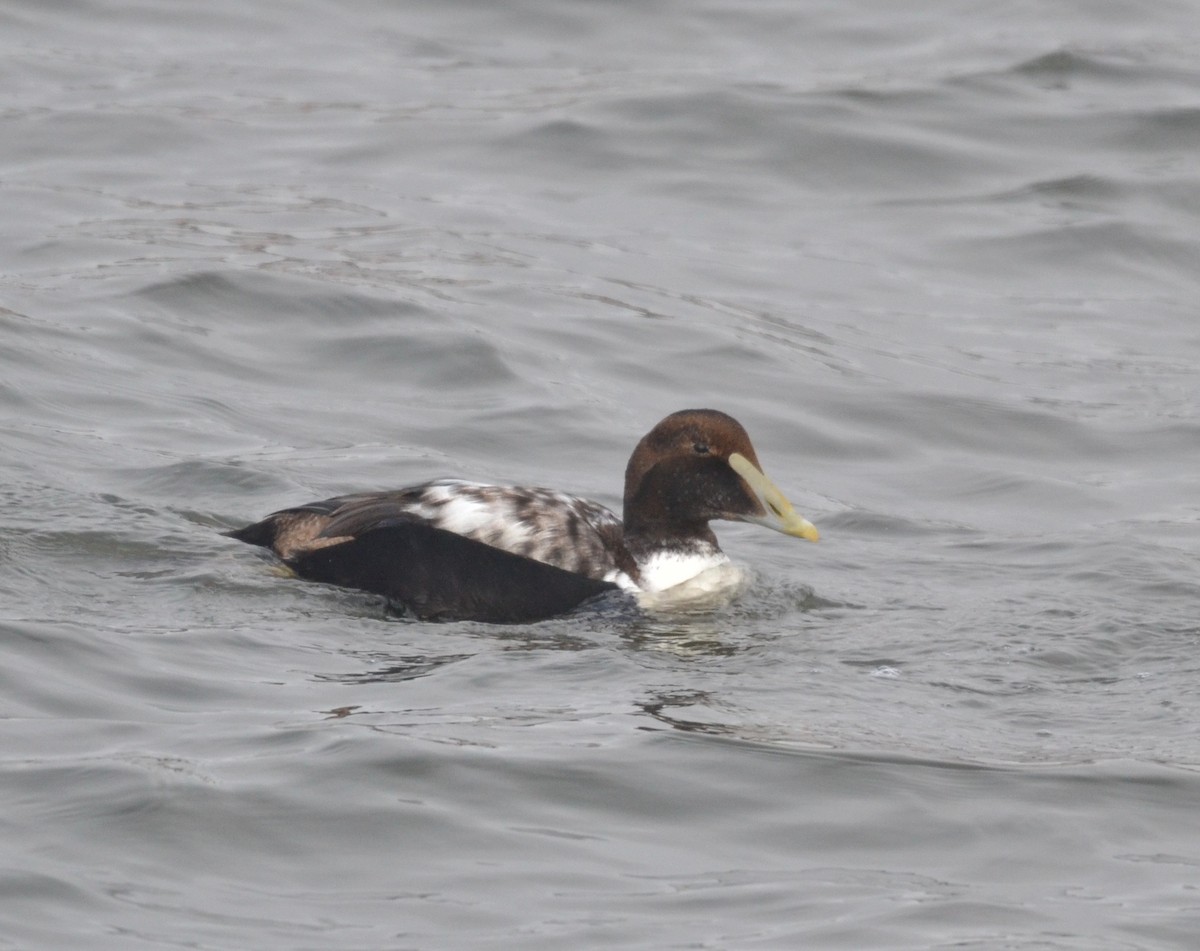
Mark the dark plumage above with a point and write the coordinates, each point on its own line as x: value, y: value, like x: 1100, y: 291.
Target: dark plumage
x: 454, y: 549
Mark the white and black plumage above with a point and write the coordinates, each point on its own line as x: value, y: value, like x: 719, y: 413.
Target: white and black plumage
x: 454, y: 549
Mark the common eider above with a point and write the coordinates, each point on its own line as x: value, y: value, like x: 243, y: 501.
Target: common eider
x: 450, y: 549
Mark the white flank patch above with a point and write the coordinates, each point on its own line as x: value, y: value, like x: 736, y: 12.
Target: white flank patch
x: 621, y: 580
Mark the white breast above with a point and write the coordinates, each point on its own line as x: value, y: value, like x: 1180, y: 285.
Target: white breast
x: 689, y: 580
x: 713, y: 588
x: 667, y: 569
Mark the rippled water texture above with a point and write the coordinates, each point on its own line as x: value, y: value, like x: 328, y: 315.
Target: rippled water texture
x: 940, y: 260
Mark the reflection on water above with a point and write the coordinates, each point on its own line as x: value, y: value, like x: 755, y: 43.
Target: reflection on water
x: 386, y: 668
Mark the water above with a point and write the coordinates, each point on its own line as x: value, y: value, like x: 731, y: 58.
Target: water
x: 940, y: 262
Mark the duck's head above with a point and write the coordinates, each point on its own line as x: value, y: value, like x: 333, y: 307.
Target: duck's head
x: 698, y: 465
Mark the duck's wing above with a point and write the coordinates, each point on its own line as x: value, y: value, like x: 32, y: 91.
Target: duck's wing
x: 441, y: 575
x: 573, y: 534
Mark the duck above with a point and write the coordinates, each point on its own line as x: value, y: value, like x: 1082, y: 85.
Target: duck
x: 451, y: 549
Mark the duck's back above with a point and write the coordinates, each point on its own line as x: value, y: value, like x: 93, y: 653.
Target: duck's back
x: 566, y: 532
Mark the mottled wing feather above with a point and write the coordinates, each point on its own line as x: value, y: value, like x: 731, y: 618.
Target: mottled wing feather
x: 547, y: 526
x: 560, y: 530
x: 361, y: 515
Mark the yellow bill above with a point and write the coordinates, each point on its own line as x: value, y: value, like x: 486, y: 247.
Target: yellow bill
x: 780, y: 517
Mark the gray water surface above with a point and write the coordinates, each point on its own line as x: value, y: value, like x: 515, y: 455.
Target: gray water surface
x: 941, y: 262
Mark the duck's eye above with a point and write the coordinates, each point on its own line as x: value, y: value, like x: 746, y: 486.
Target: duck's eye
x: 700, y: 448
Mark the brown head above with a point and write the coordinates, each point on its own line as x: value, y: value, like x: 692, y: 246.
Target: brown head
x: 698, y: 465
